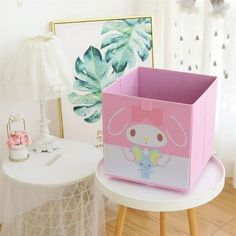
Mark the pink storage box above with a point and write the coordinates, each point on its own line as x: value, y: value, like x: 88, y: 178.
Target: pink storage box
x: 158, y: 127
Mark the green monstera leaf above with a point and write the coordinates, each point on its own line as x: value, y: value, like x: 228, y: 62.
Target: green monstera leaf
x: 124, y: 39
x: 93, y: 75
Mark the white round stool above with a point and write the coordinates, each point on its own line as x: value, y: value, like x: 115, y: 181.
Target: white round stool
x: 142, y: 197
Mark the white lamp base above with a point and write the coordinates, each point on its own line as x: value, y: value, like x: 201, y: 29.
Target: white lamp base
x: 47, y: 144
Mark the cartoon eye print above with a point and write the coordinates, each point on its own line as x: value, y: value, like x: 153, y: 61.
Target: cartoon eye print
x: 159, y: 137
x: 132, y: 132
x: 146, y: 135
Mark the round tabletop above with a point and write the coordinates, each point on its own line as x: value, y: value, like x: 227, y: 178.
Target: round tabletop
x: 148, y: 198
x: 72, y: 162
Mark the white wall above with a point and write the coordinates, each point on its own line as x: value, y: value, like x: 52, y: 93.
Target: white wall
x: 32, y: 18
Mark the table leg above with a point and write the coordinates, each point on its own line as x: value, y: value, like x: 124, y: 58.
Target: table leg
x: 162, y: 223
x: 120, y: 220
x: 192, y: 222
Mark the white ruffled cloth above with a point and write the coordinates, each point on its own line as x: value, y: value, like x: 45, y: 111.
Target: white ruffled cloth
x: 40, y: 69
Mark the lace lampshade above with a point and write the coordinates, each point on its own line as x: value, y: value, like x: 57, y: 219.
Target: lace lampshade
x: 41, y: 71
x: 42, y: 67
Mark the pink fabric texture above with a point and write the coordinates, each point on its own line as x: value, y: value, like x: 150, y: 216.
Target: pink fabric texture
x: 167, y: 111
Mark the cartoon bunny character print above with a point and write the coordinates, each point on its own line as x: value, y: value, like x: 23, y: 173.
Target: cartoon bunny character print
x: 145, y: 153
x: 143, y: 142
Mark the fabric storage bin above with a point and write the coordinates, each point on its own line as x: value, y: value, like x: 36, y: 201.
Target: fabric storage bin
x: 158, y: 127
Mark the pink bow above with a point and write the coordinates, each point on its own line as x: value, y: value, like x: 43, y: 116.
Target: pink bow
x: 138, y: 115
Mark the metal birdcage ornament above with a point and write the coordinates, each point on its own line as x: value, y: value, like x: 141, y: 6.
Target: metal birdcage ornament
x: 18, y: 140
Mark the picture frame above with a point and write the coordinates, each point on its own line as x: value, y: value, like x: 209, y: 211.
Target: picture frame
x: 101, y: 50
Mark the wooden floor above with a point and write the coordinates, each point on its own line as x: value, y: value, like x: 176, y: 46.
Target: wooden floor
x: 216, y: 218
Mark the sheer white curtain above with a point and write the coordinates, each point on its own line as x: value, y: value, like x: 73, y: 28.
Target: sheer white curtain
x: 197, y: 39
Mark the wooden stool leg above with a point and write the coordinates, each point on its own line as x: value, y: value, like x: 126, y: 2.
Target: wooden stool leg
x: 162, y: 223
x: 192, y: 222
x: 120, y: 220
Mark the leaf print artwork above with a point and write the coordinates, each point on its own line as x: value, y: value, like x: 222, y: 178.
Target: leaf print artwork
x: 93, y: 74
x: 123, y: 41
x: 125, y: 38
x: 100, y: 51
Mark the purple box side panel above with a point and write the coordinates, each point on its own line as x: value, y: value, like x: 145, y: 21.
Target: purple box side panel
x: 197, y: 148
x: 203, y: 132
x: 210, y: 122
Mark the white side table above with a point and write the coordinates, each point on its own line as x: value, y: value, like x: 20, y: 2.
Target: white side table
x: 52, y: 193
x: 137, y: 196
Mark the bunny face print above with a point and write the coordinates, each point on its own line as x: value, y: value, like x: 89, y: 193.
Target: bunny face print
x: 166, y: 132
x: 146, y: 135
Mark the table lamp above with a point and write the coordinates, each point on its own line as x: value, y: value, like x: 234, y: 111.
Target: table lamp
x: 41, y: 71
